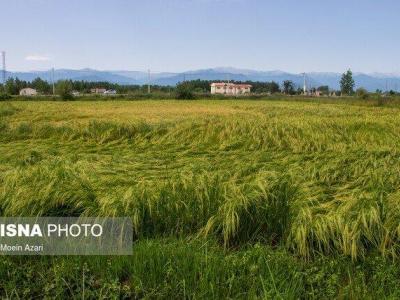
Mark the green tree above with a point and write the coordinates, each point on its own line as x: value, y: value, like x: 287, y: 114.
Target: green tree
x: 347, y: 83
x: 324, y: 89
x: 41, y: 86
x: 184, y: 90
x: 273, y: 87
x: 64, y: 89
x: 10, y: 87
x: 4, y: 96
x: 20, y: 84
x: 288, y: 87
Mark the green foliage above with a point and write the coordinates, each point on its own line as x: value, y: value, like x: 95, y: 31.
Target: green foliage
x: 167, y: 268
x: 184, y: 90
x: 362, y: 93
x: 347, y: 83
x: 229, y: 199
x: 200, y: 87
x: 11, y: 87
x: 4, y: 97
x: 64, y: 89
x: 324, y: 89
x: 43, y: 87
x: 288, y: 87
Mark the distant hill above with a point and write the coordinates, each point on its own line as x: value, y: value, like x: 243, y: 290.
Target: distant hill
x: 369, y: 81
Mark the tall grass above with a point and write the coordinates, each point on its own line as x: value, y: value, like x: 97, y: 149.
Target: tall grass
x: 313, y: 179
x: 297, y: 199
x: 46, y: 190
x: 193, y: 269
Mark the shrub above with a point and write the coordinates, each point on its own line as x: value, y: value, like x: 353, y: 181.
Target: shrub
x: 184, y: 90
x: 64, y: 89
x: 362, y: 93
x: 4, y: 96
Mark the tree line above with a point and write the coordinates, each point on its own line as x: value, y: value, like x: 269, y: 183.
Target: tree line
x: 13, y: 86
x: 186, y: 89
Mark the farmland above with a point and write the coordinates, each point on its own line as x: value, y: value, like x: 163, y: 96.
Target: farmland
x: 228, y: 198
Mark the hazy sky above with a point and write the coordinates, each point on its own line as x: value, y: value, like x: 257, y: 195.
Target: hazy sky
x: 178, y: 35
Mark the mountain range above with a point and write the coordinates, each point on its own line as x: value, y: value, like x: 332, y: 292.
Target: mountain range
x: 371, y: 82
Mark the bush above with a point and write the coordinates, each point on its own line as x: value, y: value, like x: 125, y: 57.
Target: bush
x: 64, y: 89
x: 362, y: 93
x: 184, y: 90
x: 4, y: 96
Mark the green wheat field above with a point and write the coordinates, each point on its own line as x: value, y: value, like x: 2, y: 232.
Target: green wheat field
x: 237, y: 199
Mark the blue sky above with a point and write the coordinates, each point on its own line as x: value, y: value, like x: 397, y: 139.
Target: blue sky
x: 178, y: 35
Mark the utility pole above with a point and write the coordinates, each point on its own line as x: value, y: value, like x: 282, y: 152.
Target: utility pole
x: 52, y: 80
x: 148, y: 83
x: 3, y: 55
x: 304, y: 84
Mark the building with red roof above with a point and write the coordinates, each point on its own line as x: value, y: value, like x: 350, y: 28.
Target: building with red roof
x: 230, y: 88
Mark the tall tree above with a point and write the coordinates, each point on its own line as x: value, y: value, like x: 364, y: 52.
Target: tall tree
x: 288, y: 87
x: 347, y: 83
x: 20, y: 84
x: 273, y: 87
x: 64, y: 89
x: 10, y: 87
x: 184, y: 90
x: 41, y: 86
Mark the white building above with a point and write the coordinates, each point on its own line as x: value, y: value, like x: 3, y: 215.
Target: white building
x: 28, y: 92
x: 98, y: 91
x: 230, y: 88
x: 110, y: 92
